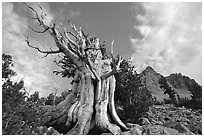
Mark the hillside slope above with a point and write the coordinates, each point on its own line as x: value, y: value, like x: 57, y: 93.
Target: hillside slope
x: 182, y: 85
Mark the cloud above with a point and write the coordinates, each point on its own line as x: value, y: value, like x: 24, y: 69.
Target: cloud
x: 28, y: 63
x: 74, y: 14
x: 172, y: 38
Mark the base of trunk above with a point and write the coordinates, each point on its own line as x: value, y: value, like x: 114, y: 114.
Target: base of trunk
x: 90, y: 106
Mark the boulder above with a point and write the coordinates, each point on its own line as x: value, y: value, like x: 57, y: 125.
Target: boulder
x: 159, y: 123
x: 183, y: 129
x: 144, y: 121
x: 136, y: 131
x: 155, y: 130
x: 171, y: 131
x: 43, y: 130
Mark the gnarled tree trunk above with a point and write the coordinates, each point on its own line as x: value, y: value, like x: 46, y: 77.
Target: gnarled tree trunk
x: 91, y: 103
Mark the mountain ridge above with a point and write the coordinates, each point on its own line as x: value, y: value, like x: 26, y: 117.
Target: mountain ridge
x: 182, y: 85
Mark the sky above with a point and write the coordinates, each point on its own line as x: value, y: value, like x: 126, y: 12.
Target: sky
x: 166, y: 36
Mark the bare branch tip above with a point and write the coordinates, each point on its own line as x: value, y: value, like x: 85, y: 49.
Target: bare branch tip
x: 40, y: 7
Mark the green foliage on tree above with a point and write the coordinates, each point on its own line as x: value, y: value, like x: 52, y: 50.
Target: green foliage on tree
x: 53, y: 99
x: 133, y: 98
x: 168, y: 90
x: 34, y: 98
x: 50, y: 99
x: 20, y: 114
x: 7, y: 65
x: 196, y: 101
x: 11, y: 92
x: 65, y: 93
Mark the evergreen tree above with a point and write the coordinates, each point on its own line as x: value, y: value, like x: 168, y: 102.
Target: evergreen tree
x: 18, y: 115
x: 169, y: 90
x: 130, y: 95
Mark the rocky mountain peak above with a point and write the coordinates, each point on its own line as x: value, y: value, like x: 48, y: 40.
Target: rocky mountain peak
x: 181, y: 84
x: 149, y: 69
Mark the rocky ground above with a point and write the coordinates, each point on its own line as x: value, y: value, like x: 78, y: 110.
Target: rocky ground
x: 160, y: 120
x: 167, y: 119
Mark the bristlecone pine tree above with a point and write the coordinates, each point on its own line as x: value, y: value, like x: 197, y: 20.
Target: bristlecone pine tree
x: 91, y: 103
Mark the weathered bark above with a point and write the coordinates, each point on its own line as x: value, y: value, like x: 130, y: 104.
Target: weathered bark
x: 91, y: 103
x: 94, y: 97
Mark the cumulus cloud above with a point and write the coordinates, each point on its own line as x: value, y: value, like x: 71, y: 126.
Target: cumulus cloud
x: 66, y: 13
x: 74, y: 14
x: 27, y: 62
x: 172, y: 38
